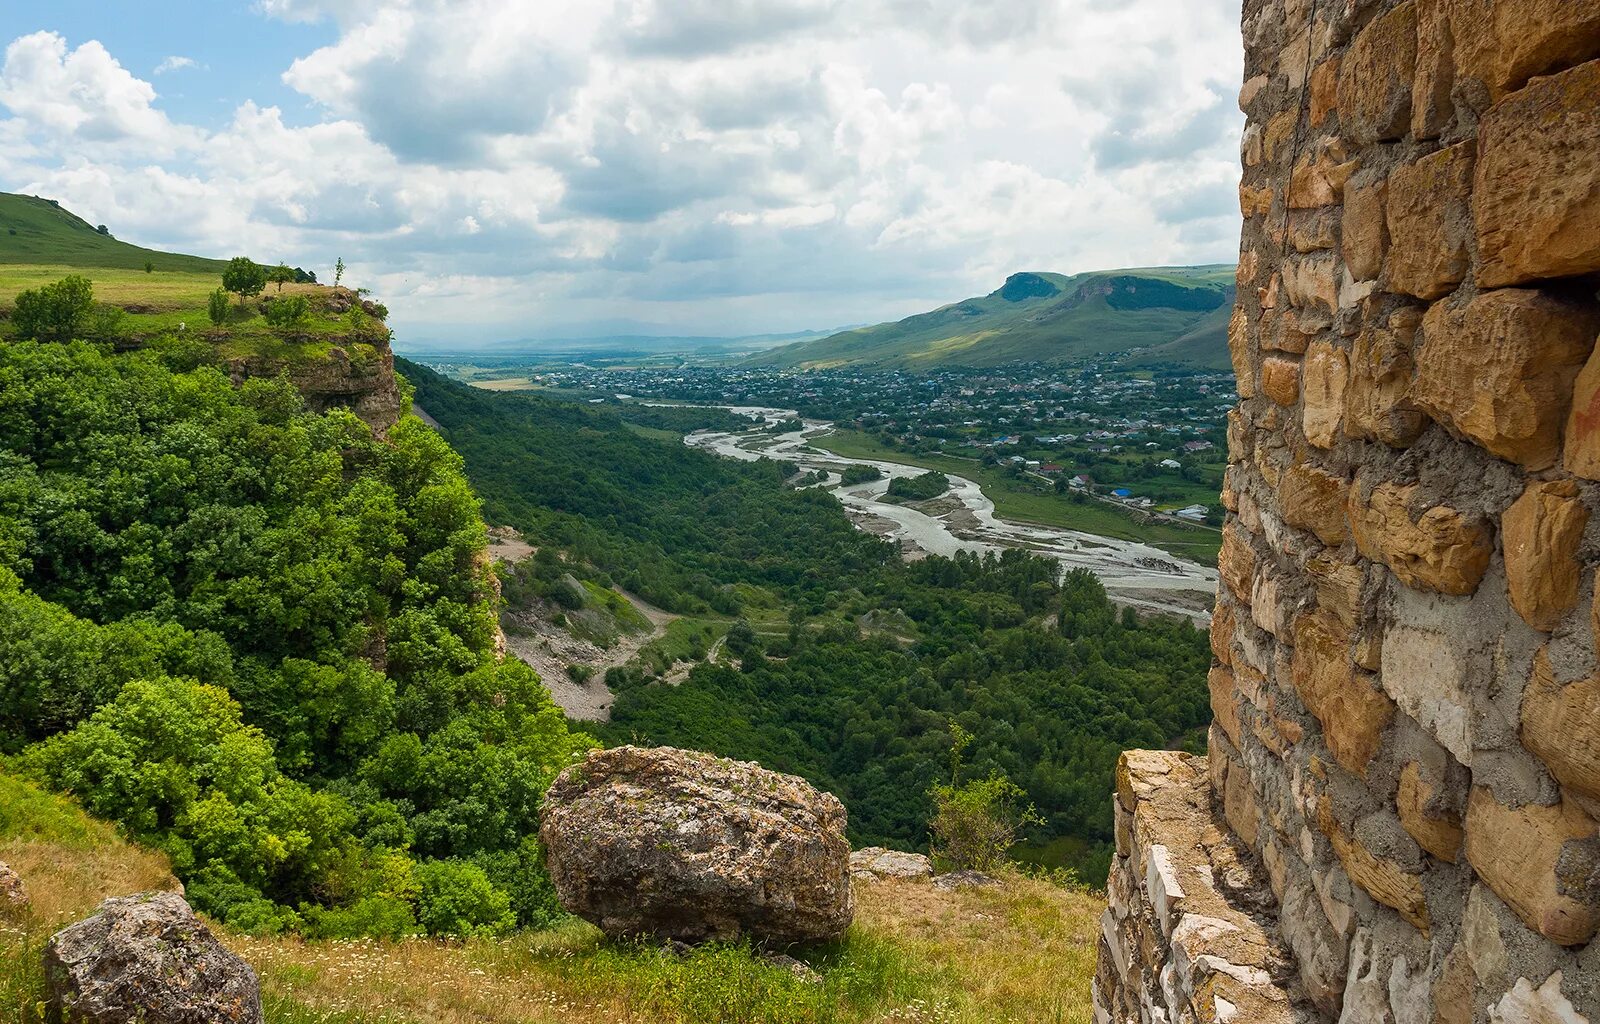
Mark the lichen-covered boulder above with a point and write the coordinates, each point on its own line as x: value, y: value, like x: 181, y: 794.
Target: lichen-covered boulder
x: 14, y: 900
x: 875, y: 862
x: 147, y: 958
x: 677, y: 844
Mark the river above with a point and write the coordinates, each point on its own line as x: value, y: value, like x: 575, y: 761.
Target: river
x: 1133, y: 574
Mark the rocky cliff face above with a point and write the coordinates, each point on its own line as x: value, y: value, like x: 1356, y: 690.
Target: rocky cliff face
x: 358, y: 376
x: 1406, y: 743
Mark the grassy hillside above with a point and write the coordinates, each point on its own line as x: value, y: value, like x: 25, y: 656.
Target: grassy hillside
x: 1037, y: 317
x: 35, y: 230
x: 1021, y: 952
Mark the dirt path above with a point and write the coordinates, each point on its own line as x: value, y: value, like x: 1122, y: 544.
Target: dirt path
x: 679, y: 672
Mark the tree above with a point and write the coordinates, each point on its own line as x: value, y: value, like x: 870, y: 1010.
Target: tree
x: 280, y: 275
x: 217, y: 306
x: 149, y: 268
x: 55, y: 312
x: 338, y: 271
x: 104, y: 230
x: 244, y: 277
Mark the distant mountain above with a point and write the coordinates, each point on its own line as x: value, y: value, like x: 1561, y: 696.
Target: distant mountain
x: 1177, y: 314
x: 615, y: 344
x: 40, y: 231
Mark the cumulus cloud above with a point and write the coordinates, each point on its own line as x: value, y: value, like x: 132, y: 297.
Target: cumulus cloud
x: 175, y: 63
x: 713, y: 166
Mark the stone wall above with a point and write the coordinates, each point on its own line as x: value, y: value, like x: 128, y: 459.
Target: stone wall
x: 1406, y: 689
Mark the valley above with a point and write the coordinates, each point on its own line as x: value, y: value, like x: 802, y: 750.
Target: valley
x: 1134, y: 574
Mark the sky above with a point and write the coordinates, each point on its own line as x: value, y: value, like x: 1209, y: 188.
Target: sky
x: 503, y: 169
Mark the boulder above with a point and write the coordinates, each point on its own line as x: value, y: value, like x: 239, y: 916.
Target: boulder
x: 683, y: 845
x: 964, y: 879
x: 147, y: 958
x: 13, y: 897
x: 876, y: 862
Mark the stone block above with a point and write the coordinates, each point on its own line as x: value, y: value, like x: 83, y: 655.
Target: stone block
x: 1540, y: 534
x: 1244, y: 370
x: 1224, y: 701
x: 1363, y: 231
x: 1324, y: 91
x: 1561, y: 724
x: 1314, y: 499
x: 1320, y: 176
x: 1378, y: 403
x: 1581, y: 448
x: 1384, y: 880
x: 1221, y: 634
x: 1314, y: 230
x: 1502, y: 45
x: 1429, y: 223
x: 1376, y: 75
x: 1443, y: 549
x: 1311, y: 282
x: 1544, y: 1003
x: 1236, y: 563
x: 1324, y: 373
x: 1255, y: 201
x: 1542, y: 860
x: 1353, y: 711
x: 1338, y: 585
x: 1435, y: 828
x: 1280, y: 380
x: 1537, y: 195
x: 1500, y: 370
x: 1431, y: 106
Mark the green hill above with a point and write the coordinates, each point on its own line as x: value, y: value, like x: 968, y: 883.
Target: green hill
x: 35, y: 230
x: 1039, y: 317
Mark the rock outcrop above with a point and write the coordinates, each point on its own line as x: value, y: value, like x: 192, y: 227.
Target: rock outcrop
x: 874, y: 862
x: 14, y: 901
x: 1406, y: 693
x: 680, y: 845
x: 358, y: 376
x: 147, y: 959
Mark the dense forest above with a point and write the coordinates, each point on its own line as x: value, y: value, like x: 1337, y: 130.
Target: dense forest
x: 263, y: 641
x: 882, y: 658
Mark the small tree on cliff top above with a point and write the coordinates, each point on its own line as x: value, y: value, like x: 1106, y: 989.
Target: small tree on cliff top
x: 244, y: 277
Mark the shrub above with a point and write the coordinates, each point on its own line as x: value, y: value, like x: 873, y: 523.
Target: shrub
x: 457, y: 898
x: 285, y: 314
x: 55, y: 312
x: 975, y: 823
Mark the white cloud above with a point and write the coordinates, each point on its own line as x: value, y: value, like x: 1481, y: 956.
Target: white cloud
x: 707, y: 165
x: 175, y: 63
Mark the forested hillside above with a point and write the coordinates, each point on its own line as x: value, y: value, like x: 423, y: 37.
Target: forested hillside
x: 879, y: 661
x: 262, y: 640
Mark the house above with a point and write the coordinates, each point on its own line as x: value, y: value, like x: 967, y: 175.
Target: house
x: 1080, y: 481
x: 1196, y: 446
x: 1194, y: 513
x: 1170, y: 464
x: 1050, y: 469
x: 1122, y: 494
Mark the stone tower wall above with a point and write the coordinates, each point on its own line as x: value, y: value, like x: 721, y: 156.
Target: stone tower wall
x: 1400, y: 804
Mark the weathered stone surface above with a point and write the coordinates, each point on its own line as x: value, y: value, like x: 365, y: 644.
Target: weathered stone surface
x: 1500, y: 370
x: 1280, y: 380
x: 1561, y: 724
x: 1429, y: 223
x: 1436, y: 830
x: 1537, y: 195
x: 147, y: 959
x: 1324, y: 91
x: 1442, y: 549
x: 1542, y: 860
x: 1353, y: 711
x: 1222, y: 632
x: 1375, y: 77
x: 1314, y: 230
x: 1540, y: 534
x: 13, y: 894
x: 1530, y: 1004
x: 1244, y: 370
x: 1504, y: 45
x: 1378, y: 403
x: 1321, y: 175
x: 1324, y: 373
x: 1383, y: 879
x: 1314, y: 499
x: 684, y: 845
x: 1224, y: 701
x: 1236, y: 564
x: 875, y: 862
x: 1581, y: 451
x: 1312, y: 282
x: 1363, y: 232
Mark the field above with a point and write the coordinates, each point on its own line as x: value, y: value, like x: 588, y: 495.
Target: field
x: 1022, y: 501
x: 34, y: 230
x: 1018, y: 953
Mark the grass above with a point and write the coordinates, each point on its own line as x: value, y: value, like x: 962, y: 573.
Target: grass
x: 1022, y: 501
x: 166, y: 302
x: 35, y: 230
x: 1018, y: 953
